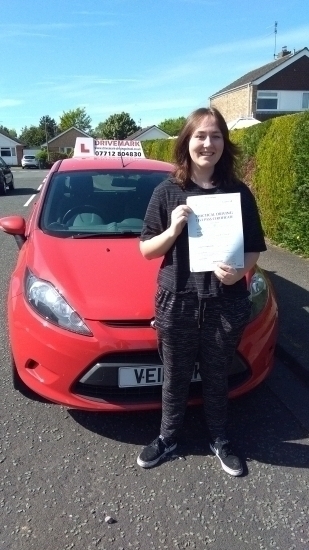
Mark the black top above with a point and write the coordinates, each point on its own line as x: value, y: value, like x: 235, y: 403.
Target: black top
x: 175, y: 274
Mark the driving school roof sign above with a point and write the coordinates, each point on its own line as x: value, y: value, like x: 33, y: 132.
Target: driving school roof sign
x: 89, y: 147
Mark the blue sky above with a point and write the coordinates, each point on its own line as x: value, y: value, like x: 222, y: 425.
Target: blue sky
x: 154, y: 59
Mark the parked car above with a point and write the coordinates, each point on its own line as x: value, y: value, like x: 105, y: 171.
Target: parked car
x: 29, y: 161
x: 81, y: 297
x: 6, y: 177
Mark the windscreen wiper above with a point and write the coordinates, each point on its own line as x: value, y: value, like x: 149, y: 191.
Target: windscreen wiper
x: 125, y: 233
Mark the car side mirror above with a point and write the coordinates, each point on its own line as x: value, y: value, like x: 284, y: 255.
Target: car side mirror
x: 16, y: 226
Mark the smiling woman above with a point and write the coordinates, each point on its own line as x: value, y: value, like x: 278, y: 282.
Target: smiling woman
x: 205, y: 147
x: 201, y: 312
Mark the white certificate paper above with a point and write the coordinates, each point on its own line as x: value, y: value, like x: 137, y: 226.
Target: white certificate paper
x: 215, y: 231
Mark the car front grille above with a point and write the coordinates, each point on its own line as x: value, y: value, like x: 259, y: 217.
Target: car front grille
x: 100, y: 381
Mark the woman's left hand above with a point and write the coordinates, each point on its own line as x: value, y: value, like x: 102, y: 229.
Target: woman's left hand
x: 227, y: 274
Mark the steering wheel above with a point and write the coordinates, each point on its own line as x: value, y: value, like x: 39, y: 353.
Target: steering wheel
x: 82, y: 209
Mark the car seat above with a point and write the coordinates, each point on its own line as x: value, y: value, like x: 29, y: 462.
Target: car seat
x: 79, y: 194
x: 136, y: 205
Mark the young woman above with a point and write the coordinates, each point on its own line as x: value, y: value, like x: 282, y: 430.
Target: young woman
x: 199, y: 316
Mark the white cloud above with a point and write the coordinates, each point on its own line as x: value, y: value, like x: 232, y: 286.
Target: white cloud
x: 9, y: 103
x: 44, y: 30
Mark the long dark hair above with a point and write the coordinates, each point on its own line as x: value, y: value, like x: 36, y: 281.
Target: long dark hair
x: 224, y: 171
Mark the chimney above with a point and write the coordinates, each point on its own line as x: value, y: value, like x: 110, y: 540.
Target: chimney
x: 284, y: 52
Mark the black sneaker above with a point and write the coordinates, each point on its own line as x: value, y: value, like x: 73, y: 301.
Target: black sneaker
x: 229, y: 462
x: 154, y: 452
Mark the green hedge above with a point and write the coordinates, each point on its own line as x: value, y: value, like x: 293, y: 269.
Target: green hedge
x: 274, y: 162
x: 295, y: 226
x: 159, y: 149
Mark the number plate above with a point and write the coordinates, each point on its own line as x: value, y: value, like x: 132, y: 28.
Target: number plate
x: 129, y: 377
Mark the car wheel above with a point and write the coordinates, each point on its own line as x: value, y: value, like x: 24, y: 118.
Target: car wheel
x: 18, y: 384
x: 11, y: 184
x: 2, y: 186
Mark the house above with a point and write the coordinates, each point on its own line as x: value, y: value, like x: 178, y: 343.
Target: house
x: 11, y: 149
x: 64, y: 142
x: 150, y: 132
x: 278, y: 88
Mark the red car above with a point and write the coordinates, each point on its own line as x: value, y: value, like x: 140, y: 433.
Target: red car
x: 81, y: 297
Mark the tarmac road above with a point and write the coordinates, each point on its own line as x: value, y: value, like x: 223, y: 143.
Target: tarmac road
x: 63, y: 471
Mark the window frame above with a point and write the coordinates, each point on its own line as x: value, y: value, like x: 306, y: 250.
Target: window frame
x: 267, y: 95
x: 305, y: 96
x: 4, y: 151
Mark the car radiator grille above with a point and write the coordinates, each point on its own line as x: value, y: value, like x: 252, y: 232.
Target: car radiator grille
x: 100, y: 382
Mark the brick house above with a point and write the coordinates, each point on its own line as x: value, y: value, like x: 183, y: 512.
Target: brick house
x: 278, y: 88
x: 64, y: 142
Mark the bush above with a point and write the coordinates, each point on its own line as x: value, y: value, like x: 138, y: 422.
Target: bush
x: 55, y: 155
x: 159, y: 149
x: 273, y: 179
x: 295, y: 232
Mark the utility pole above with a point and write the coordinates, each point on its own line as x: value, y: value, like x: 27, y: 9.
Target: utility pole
x: 275, y: 32
x: 46, y: 137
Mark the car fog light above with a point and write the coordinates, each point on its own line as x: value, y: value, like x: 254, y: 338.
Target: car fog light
x: 258, y: 293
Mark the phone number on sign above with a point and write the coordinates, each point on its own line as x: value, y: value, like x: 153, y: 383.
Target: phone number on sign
x: 119, y: 154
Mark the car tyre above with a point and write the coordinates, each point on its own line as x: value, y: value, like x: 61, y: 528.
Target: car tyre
x: 2, y: 186
x: 11, y: 184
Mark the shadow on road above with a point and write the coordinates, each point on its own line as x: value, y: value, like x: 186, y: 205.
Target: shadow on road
x: 23, y: 191
x: 261, y: 427
x: 293, y: 313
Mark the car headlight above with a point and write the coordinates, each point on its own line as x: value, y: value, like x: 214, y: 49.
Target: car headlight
x: 48, y: 303
x: 258, y: 293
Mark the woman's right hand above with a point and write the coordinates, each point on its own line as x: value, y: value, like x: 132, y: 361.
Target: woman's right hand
x: 179, y: 218
x: 158, y: 245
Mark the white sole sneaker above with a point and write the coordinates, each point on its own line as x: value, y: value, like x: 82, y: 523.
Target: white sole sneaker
x: 151, y: 463
x: 224, y: 466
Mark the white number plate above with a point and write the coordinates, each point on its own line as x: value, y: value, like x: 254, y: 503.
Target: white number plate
x: 146, y: 376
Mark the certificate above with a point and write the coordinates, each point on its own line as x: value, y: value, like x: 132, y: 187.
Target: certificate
x: 215, y: 231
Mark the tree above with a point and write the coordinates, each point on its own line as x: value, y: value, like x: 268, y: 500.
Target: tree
x: 12, y: 133
x: 76, y: 117
x: 49, y: 126
x: 33, y: 136
x: 172, y: 126
x: 118, y: 126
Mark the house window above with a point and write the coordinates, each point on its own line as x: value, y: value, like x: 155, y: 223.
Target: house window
x: 267, y: 101
x: 6, y: 152
x: 305, y: 102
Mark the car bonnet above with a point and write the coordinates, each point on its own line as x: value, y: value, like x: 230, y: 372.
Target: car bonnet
x: 101, y: 278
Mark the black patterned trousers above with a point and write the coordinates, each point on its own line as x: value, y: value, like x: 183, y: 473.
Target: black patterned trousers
x: 188, y: 330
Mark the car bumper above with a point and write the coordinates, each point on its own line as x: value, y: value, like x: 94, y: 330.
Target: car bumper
x: 82, y: 372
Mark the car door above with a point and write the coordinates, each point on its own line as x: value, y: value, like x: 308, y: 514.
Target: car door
x: 6, y: 171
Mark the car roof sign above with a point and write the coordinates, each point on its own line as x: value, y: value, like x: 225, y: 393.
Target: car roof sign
x: 90, y: 147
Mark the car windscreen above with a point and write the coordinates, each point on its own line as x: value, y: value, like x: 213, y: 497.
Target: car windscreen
x: 99, y: 202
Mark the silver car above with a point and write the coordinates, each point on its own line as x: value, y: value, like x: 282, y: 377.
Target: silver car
x: 29, y: 161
